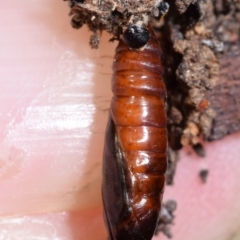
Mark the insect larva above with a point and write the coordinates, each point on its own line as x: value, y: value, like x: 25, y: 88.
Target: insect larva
x: 135, y: 158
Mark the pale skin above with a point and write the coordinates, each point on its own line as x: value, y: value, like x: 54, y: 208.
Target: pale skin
x: 55, y: 94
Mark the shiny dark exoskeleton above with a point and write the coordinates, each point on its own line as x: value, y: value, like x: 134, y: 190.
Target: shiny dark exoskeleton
x: 135, y: 158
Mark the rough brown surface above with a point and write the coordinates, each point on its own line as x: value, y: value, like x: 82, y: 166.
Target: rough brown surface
x: 111, y: 15
x: 224, y: 97
x: 201, y: 58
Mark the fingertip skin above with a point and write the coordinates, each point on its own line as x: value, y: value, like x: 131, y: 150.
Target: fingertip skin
x: 135, y: 159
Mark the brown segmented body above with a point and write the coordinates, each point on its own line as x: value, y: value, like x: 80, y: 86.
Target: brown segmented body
x: 135, y: 158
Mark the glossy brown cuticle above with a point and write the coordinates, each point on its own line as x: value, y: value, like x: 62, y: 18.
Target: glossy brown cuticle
x: 135, y: 158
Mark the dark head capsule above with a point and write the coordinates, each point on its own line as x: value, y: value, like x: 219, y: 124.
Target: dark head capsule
x: 136, y: 36
x: 163, y: 8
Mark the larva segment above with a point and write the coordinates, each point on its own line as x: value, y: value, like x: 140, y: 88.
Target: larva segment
x: 135, y: 158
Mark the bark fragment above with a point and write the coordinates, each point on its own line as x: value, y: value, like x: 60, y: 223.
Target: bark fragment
x: 224, y: 97
x: 202, y: 77
x: 166, y: 219
x: 111, y: 15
